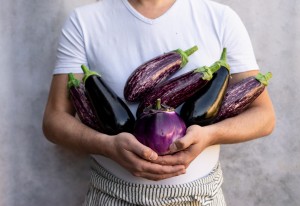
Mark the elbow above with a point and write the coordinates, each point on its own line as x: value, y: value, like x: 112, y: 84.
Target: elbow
x: 46, y: 128
x: 270, y: 124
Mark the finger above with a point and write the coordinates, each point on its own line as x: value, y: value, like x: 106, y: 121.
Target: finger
x: 174, y: 159
x: 143, y: 151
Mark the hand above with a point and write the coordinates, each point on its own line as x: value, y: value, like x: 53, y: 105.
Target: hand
x: 187, y: 148
x: 138, y: 159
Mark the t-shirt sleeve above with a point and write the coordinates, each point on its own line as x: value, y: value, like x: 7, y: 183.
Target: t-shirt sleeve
x: 71, y: 48
x: 240, y: 54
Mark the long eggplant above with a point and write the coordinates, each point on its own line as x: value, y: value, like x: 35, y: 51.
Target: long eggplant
x: 112, y: 112
x: 240, y: 95
x: 81, y: 103
x: 176, y: 91
x: 203, y: 107
x: 154, y: 71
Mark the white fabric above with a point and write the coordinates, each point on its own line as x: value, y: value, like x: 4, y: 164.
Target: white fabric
x: 112, y: 38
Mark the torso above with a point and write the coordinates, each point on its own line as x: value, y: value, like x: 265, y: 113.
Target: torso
x: 118, y: 38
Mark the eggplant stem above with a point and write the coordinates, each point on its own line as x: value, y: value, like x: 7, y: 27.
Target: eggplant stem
x: 72, y: 81
x: 264, y: 79
x: 185, y: 55
x: 158, y: 104
x: 87, y: 72
x: 191, y: 50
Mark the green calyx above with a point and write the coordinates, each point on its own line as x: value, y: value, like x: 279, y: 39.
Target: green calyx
x: 206, y: 71
x: 87, y: 73
x: 72, y: 81
x: 209, y: 71
x: 185, y: 55
x: 264, y: 79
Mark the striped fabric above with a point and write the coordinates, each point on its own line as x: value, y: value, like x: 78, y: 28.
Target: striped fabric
x: 108, y: 190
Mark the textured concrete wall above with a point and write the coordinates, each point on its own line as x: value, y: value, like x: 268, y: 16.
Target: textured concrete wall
x: 35, y: 172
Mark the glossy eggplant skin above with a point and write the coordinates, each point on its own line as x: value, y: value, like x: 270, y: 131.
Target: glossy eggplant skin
x: 240, y: 95
x: 154, y: 71
x: 176, y: 91
x: 112, y: 112
x: 158, y: 128
x: 202, y: 108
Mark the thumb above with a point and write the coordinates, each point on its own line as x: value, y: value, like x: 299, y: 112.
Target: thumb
x: 182, y: 143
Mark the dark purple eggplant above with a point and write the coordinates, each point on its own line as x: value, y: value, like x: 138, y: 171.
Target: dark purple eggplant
x: 112, y: 112
x: 176, y: 91
x: 159, y: 127
x: 154, y: 71
x: 81, y: 103
x: 203, y: 107
x: 240, y: 95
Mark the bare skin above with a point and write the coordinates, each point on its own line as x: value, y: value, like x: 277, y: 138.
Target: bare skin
x: 151, y: 9
x: 61, y: 127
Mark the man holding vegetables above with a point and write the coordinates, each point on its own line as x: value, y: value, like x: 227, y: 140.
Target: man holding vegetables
x: 113, y: 37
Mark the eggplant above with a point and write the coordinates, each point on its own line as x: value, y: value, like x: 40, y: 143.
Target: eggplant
x: 154, y: 71
x: 81, y: 103
x: 203, y: 107
x: 176, y: 91
x: 159, y: 127
x: 240, y: 95
x: 112, y: 112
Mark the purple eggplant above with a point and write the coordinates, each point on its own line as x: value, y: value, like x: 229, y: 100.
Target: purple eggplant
x: 176, y: 91
x: 112, y: 112
x: 203, y: 107
x: 240, y: 95
x: 154, y: 71
x: 159, y: 127
x: 81, y: 103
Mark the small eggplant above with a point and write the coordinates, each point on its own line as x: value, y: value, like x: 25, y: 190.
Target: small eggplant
x: 176, y: 91
x: 112, y: 112
x: 240, y: 95
x: 81, y: 103
x: 159, y: 127
x: 154, y: 71
x: 203, y: 107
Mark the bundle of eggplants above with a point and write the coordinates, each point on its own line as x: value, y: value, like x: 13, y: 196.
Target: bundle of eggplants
x: 154, y: 71
x: 175, y: 91
x: 158, y: 127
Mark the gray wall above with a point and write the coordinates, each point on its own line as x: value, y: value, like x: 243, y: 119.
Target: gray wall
x: 36, y: 172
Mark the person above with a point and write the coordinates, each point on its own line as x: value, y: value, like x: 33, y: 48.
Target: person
x: 114, y: 37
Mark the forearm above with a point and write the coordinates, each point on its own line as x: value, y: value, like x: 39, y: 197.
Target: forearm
x: 63, y: 129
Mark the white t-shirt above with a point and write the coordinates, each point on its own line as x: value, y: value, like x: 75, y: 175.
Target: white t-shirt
x: 112, y: 38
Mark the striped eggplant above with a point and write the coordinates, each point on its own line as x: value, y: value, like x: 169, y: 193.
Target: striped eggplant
x: 112, y: 112
x: 176, y: 91
x: 81, y: 103
x: 240, y: 95
x: 154, y: 71
x: 203, y: 107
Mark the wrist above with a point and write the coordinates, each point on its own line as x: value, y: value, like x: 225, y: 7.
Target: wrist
x: 103, y: 144
x: 211, y: 137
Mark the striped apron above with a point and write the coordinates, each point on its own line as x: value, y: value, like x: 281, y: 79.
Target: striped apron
x: 109, y: 190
